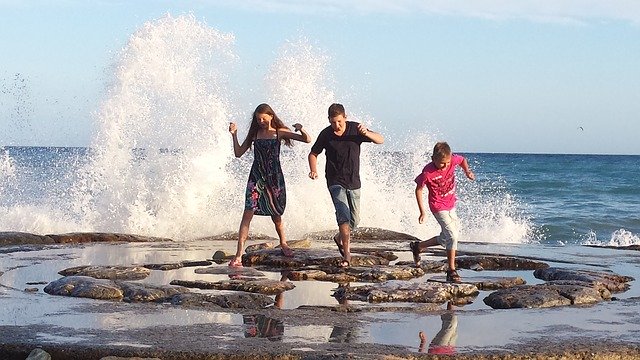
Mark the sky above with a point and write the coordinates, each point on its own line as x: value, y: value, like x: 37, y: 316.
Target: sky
x: 558, y: 76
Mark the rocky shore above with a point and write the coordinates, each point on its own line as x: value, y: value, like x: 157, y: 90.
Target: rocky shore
x: 380, y: 288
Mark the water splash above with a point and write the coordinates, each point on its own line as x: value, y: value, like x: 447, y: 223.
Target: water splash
x: 620, y: 237
x: 161, y: 160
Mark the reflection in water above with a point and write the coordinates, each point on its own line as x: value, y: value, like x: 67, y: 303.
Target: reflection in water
x: 343, y: 333
x: 262, y: 327
x: 445, y: 340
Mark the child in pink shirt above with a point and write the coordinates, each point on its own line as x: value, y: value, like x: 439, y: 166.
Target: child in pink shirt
x: 439, y: 178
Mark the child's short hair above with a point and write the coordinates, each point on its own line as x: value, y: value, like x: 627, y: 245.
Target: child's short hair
x: 441, y: 149
x: 336, y: 109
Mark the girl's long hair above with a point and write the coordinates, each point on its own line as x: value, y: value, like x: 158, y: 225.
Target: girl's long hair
x: 275, y: 122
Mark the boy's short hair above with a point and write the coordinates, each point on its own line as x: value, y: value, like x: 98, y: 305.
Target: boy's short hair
x: 336, y: 109
x: 441, y: 149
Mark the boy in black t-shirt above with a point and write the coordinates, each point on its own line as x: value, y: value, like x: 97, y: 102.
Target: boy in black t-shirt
x: 341, y: 142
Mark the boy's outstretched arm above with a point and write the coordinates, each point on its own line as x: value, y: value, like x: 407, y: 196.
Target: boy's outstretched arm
x: 375, y: 137
x: 420, y: 201
x: 467, y: 171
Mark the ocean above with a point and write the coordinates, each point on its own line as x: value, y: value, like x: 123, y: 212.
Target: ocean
x: 160, y: 160
x: 517, y: 198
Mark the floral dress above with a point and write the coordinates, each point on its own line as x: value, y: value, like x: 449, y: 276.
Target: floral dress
x: 266, y: 194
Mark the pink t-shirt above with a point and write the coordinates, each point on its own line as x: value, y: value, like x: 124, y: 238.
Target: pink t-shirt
x: 441, y: 184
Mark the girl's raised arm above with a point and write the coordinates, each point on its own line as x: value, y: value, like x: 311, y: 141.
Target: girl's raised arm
x: 288, y: 134
x: 238, y: 150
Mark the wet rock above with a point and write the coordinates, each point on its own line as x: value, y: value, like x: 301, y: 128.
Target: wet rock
x: 91, y: 237
x: 612, y: 282
x: 303, y: 257
x: 227, y: 270
x: 319, y: 275
x: 428, y: 266
x: 103, y: 289
x: 546, y: 295
x: 389, y: 255
x: 227, y: 301
x: 84, y: 286
x: 108, y: 272
x: 394, y: 291
x: 627, y: 247
x: 31, y: 289
x: 498, y: 263
x: 134, y: 292
x: 299, y: 244
x: 20, y: 238
x: 267, y: 286
x: 383, y: 273
x: 363, y: 234
x: 38, y: 354
x: 256, y: 247
x: 178, y: 265
x: 127, y: 358
x: 220, y: 256
x: 233, y: 235
x: 487, y: 282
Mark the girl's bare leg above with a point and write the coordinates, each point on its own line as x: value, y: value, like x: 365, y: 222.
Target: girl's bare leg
x: 243, y: 232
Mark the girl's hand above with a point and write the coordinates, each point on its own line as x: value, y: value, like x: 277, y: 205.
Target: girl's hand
x: 421, y: 218
x: 233, y: 129
x: 313, y: 175
x: 297, y: 127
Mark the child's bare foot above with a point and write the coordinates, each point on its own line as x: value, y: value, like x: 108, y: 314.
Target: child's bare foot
x: 286, y: 251
x: 415, y: 250
x: 236, y: 262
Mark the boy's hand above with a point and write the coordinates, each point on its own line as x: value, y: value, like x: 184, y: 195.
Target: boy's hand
x: 362, y: 129
x: 421, y: 218
x: 233, y: 128
x: 313, y: 175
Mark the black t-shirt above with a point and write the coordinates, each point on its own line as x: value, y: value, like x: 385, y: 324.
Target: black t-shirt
x: 343, y: 155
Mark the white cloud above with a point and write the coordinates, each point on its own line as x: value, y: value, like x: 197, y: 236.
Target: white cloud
x: 535, y: 10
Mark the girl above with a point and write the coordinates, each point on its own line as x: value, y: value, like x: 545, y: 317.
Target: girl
x: 265, y: 194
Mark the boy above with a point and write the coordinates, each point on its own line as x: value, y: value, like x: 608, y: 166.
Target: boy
x: 342, y: 140
x: 439, y: 178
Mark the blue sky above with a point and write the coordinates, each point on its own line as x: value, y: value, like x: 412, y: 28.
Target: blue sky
x: 488, y: 76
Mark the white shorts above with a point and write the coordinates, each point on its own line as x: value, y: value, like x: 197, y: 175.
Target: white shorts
x: 449, y: 223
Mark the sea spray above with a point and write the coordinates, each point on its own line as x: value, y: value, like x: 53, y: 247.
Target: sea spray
x: 162, y: 149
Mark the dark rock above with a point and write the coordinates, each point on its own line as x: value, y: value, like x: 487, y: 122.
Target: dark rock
x: 303, y: 257
x: 38, y: 354
x: 420, y: 292
x: 627, y: 247
x: 383, y: 273
x: 102, y: 289
x: 178, y: 265
x: 498, y: 263
x: 256, y: 247
x: 102, y: 237
x: 486, y: 282
x: 612, y: 282
x: 21, y: 238
x: 546, y: 295
x: 227, y: 270
x: 363, y: 234
x: 108, y: 272
x: 31, y: 289
x: 134, y: 292
x: 268, y: 287
x: 428, y: 266
x: 84, y: 286
x: 227, y: 301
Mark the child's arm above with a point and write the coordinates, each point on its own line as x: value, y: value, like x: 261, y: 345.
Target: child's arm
x: 238, y: 150
x: 372, y: 135
x: 467, y: 171
x: 420, y: 201
x: 288, y: 134
x: 313, y: 165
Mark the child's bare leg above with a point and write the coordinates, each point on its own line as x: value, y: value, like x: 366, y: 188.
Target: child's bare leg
x: 422, y: 245
x: 345, y: 236
x: 279, y: 224
x: 243, y: 232
x: 451, y: 259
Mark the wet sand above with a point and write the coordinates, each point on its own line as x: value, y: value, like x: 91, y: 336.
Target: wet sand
x: 310, y: 324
